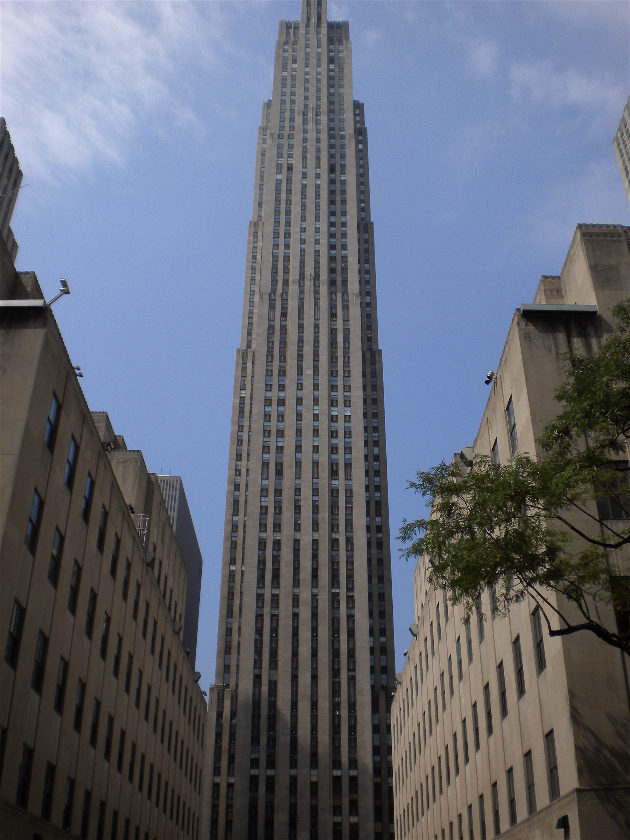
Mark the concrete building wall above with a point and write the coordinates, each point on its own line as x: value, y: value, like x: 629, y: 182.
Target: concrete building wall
x: 456, y: 734
x: 621, y: 145
x: 77, y: 588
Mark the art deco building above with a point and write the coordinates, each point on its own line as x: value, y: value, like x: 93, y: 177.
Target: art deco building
x: 621, y: 145
x: 101, y: 716
x: 300, y: 712
x: 10, y: 180
x: 499, y: 729
x: 172, y: 488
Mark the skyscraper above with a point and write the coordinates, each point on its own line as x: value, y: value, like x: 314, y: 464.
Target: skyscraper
x: 299, y: 715
x: 621, y: 145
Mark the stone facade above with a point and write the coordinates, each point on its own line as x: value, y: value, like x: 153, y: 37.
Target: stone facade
x: 101, y: 717
x: 300, y: 712
x: 498, y: 729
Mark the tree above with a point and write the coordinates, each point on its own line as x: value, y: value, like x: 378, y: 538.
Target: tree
x: 551, y: 527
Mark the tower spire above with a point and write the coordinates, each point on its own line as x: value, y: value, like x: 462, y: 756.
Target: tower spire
x: 313, y: 12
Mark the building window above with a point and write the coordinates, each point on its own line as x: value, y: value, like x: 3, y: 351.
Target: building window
x: 113, y: 566
x: 519, y: 670
x: 487, y: 708
x: 496, y: 815
x: 102, y: 528
x: 482, y: 817
x: 511, y: 795
x: 60, y: 686
x: 465, y: 741
x: 530, y: 789
x: 475, y: 720
x: 78, y: 705
x: 85, y: 814
x: 66, y: 815
x: 616, y: 503
x: 14, y: 636
x: 88, y: 495
x: 73, y: 593
x: 96, y: 713
x: 55, y: 558
x: 34, y: 521
x: 121, y: 751
x: 52, y: 422
x: 117, y: 656
x: 90, y: 614
x: 39, y: 662
x: 109, y: 737
x: 510, y: 420
x: 494, y: 453
x: 105, y: 636
x: 126, y: 576
x: 24, y: 777
x: 539, y: 644
x: 48, y: 791
x: 502, y: 690
x: 71, y: 463
x: 552, y: 766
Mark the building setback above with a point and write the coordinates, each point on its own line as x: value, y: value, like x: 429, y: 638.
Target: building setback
x: 299, y: 715
x: 10, y: 180
x: 101, y: 717
x: 174, y: 495
x: 498, y: 729
x: 621, y: 145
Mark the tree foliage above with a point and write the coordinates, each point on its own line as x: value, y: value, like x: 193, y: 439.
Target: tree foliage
x: 542, y: 526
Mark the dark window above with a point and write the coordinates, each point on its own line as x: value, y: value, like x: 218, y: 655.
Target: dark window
x: 34, y: 521
x: 78, y: 705
x: 510, y: 420
x: 482, y: 817
x: 39, y: 662
x: 128, y: 673
x: 90, y: 613
x: 503, y: 706
x: 75, y: 582
x: 125, y: 584
x: 14, y: 636
x: 132, y: 761
x: 85, y: 814
x: 465, y: 741
x: 136, y: 601
x: 100, y: 824
x: 55, y: 558
x: 109, y: 737
x: 469, y: 648
x: 539, y: 644
x: 88, y: 495
x: 121, y: 751
x: 102, y: 529
x: 52, y: 423
x: 519, y: 670
x: 552, y: 766
x: 458, y: 652
x: 511, y: 795
x: 138, y: 689
x: 71, y: 463
x: 66, y: 816
x: 105, y: 636
x: 496, y: 815
x: 117, y: 656
x: 487, y: 708
x: 145, y: 620
x: 475, y: 722
x: 616, y: 504
x: 530, y: 789
x: 60, y: 687
x: 24, y: 777
x: 113, y: 566
x: 49, y: 789
x: 96, y: 713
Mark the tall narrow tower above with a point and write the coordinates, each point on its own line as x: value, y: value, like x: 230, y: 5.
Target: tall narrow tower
x: 299, y: 715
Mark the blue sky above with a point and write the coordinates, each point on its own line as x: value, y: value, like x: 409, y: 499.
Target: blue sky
x: 490, y: 137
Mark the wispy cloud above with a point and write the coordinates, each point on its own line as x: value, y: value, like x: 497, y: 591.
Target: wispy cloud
x: 542, y: 84
x: 483, y: 58
x: 78, y: 77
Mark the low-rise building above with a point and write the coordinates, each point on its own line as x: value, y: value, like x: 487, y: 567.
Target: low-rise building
x: 101, y: 715
x: 498, y: 729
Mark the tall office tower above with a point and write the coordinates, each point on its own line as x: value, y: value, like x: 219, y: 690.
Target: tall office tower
x: 305, y: 664
x: 10, y: 180
x: 174, y: 494
x: 621, y: 145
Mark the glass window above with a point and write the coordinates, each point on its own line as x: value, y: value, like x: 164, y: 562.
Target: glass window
x: 55, y: 558
x: 34, y: 521
x: 88, y: 495
x: 519, y: 670
x: 552, y: 766
x: 52, y: 423
x: 530, y: 789
x: 39, y: 662
x: 539, y: 644
x: 14, y: 636
x: 510, y: 420
x: 71, y: 463
x: 60, y: 687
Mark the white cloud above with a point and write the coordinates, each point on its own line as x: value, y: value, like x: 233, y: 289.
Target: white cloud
x: 544, y: 85
x: 78, y: 77
x: 483, y: 58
